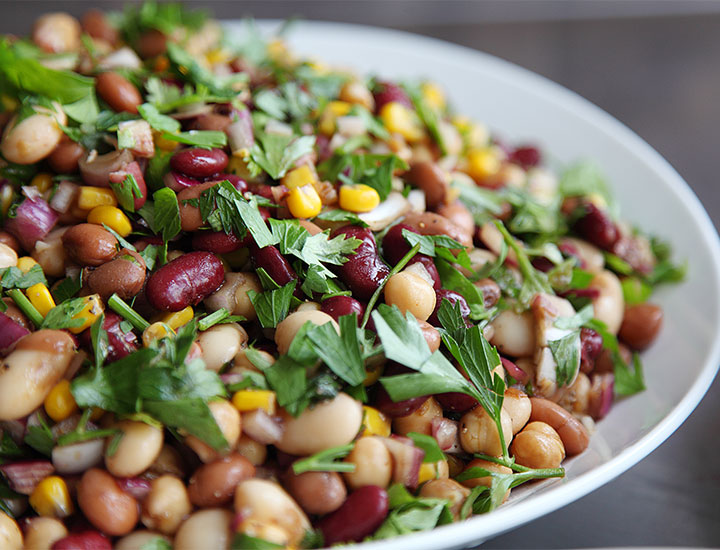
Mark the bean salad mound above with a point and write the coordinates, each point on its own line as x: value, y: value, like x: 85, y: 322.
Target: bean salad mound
x: 250, y: 301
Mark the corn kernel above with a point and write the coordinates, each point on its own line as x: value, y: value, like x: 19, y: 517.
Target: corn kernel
x: 40, y: 297
x: 92, y: 309
x: 60, y: 403
x: 111, y: 216
x: 176, y: 319
x: 332, y: 111
x: 597, y: 199
x: 6, y: 198
x: 302, y: 175
x: 304, y: 202
x: 250, y: 400
x: 373, y: 372
x: 51, y: 498
x: 9, y: 103
x: 90, y: 197
x: 397, y: 118
x: 375, y: 422
x: 43, y: 181
x: 156, y: 331
x: 358, y: 198
x: 26, y: 263
x: 357, y: 93
x: 164, y: 143
x: 428, y: 471
x: 433, y: 95
x: 218, y: 55
x: 483, y: 163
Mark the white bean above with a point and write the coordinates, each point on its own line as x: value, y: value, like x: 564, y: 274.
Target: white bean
x: 373, y: 464
x: 221, y: 343
x: 514, y: 333
x: 609, y: 306
x: 230, y: 424
x: 8, y: 257
x: 288, y: 327
x: 10, y: 536
x: 41, y: 533
x: 57, y: 32
x: 591, y: 256
x: 166, y: 505
x: 139, y: 446
x: 206, y: 529
x: 33, y: 138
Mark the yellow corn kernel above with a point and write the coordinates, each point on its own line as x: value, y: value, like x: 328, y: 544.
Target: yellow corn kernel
x: 40, y: 297
x: 483, y: 163
x: 277, y: 50
x: 302, y: 175
x: 433, y: 95
x: 51, y: 498
x: 156, y: 331
x: 250, y: 400
x: 304, y: 202
x: 6, y: 198
x: 92, y: 309
x: 43, y: 181
x: 60, y: 403
x: 9, y: 103
x: 357, y: 92
x: 25, y: 263
x: 238, y: 165
x: 90, y: 197
x: 164, y: 143
x: 428, y: 471
x: 318, y: 66
x: 218, y: 55
x: 397, y: 118
x: 176, y: 319
x: 358, y: 198
x: 375, y: 422
x: 596, y: 198
x: 111, y: 216
x: 332, y: 111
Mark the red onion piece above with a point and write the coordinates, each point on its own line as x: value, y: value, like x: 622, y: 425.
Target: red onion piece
x: 78, y: 457
x: 177, y: 181
x: 261, y: 427
x: 64, y: 196
x: 445, y: 431
x: 95, y: 169
x: 240, y: 132
x: 33, y: 220
x: 601, y: 395
x: 24, y: 476
x: 135, y: 486
x: 516, y: 372
x: 407, y: 460
x: 10, y: 332
x: 133, y: 169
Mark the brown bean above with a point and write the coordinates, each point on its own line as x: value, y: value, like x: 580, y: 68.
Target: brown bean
x: 490, y: 292
x: 89, y: 244
x: 124, y: 275
x: 185, y: 281
x: 151, y: 44
x: 574, y: 436
x: 9, y: 240
x: 16, y: 315
x: 458, y: 214
x: 105, y: 505
x: 213, y: 484
x: 210, y: 121
x: 538, y: 445
x: 430, y: 223
x: 431, y: 335
x: 429, y: 177
x: 316, y: 492
x: 118, y: 92
x: 66, y: 156
x: 604, y: 362
x: 190, y: 218
x: 96, y: 25
x: 641, y: 325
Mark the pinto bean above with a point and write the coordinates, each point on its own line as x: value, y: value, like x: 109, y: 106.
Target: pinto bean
x: 360, y: 515
x: 429, y: 177
x: 458, y: 214
x: 105, y: 505
x: 118, y: 92
x: 316, y: 492
x: 57, y: 33
x: 538, y: 445
x: 190, y: 218
x: 89, y: 244
x: 206, y: 529
x: 213, y: 484
x: 364, y: 271
x: 151, y: 44
x: 641, y: 325
x: 65, y: 158
x: 185, y: 281
x: 124, y: 275
x: 429, y: 223
x: 573, y: 434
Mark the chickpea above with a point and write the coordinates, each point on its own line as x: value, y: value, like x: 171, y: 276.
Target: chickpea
x: 139, y: 540
x: 229, y: 422
x: 57, y: 33
x: 105, y: 504
x: 255, y: 452
x: 316, y: 492
x: 538, y: 446
x: 517, y: 404
x: 479, y: 434
x: 10, y: 535
x: 166, y: 505
x: 206, y: 529
x: 420, y: 420
x: 373, y: 464
x: 213, y: 484
x: 447, y: 489
x: 412, y: 293
x: 221, y: 343
x: 514, y: 333
x: 431, y: 335
x: 288, y: 327
x: 485, y: 480
x: 140, y: 445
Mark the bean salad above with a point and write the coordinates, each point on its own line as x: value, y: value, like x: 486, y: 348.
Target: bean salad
x: 251, y: 301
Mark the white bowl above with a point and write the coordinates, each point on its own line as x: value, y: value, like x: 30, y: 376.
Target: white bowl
x: 521, y: 106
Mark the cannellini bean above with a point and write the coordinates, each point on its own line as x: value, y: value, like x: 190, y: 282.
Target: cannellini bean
x: 8, y: 257
x: 609, y: 306
x: 206, y: 529
x: 41, y: 533
x: 373, y: 464
x: 514, y: 333
x: 140, y: 445
x: 328, y: 424
x: 166, y: 505
x: 230, y: 424
x: 34, y: 138
x: 288, y: 327
x: 590, y: 255
x: 479, y: 434
x: 140, y: 540
x: 221, y: 343
x: 10, y: 536
x: 38, y: 362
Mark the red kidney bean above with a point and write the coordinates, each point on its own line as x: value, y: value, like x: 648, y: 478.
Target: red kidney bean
x: 270, y: 259
x: 237, y: 182
x: 454, y: 298
x: 177, y: 181
x: 85, y: 540
x: 185, y: 281
x: 120, y: 343
x: 364, y: 271
x: 385, y: 92
x: 337, y: 306
x: 596, y: 227
x: 399, y: 408
x: 199, y: 163
x: 455, y: 401
x: 359, y: 516
x: 217, y: 242
x: 526, y: 156
x: 395, y: 247
x: 591, y: 345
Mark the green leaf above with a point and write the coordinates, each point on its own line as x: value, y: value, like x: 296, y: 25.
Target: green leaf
x: 410, y: 514
x: 629, y: 380
x: 428, y: 243
x: 156, y: 543
x: 207, y: 139
x: 157, y: 121
x: 13, y: 277
x: 8, y: 447
x: 276, y: 154
x: 272, y: 306
x: 429, y: 116
x: 288, y: 378
x: 195, y: 73
x: 338, y: 215
x: 64, y: 315
x: 566, y: 351
x: 429, y: 444
x: 99, y: 340
x: 191, y: 415
x: 325, y: 461
x: 166, y: 213
x: 576, y: 321
x: 241, y: 541
x: 40, y: 438
x: 583, y: 179
x: 126, y: 192
x: 453, y: 279
x: 340, y: 352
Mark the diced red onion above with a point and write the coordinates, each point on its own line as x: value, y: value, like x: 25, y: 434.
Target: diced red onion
x: 601, y: 395
x: 240, y: 132
x: 135, y: 170
x: 33, y: 220
x: 135, y: 486
x: 516, y: 372
x: 15, y: 428
x: 64, y: 196
x: 445, y: 431
x: 10, y: 332
x: 232, y: 377
x: 95, y: 169
x: 261, y: 427
x: 177, y: 181
x: 24, y: 476
x: 279, y: 192
x: 78, y: 457
x: 407, y: 460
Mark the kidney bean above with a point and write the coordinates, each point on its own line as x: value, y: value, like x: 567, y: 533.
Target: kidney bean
x: 454, y: 298
x: 430, y: 178
x: 526, y: 156
x: 96, y: 25
x: 399, y: 408
x: 85, y: 540
x: 65, y: 157
x: 364, y: 271
x: 490, y: 292
x: 591, y: 345
x: 361, y: 514
x: 177, y: 181
x: 597, y: 227
x: 213, y: 484
x: 89, y: 244
x: 394, y: 245
x: 185, y: 281
x: 199, y: 163
x: 640, y: 325
x: 151, y: 44
x: 270, y: 259
x: 237, y: 182
x: 316, y: 492
x: 217, y: 242
x: 124, y: 275
x: 118, y: 92
x: 104, y: 504
x: 385, y: 92
x: 120, y: 342
x: 337, y: 306
x: 574, y: 436
x: 455, y: 401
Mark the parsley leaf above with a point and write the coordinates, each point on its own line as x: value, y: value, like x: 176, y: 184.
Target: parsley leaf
x: 40, y: 438
x: 453, y: 279
x: 166, y: 213
x: 338, y: 215
x: 566, y: 352
x: 325, y: 461
x: 160, y: 122
x: 272, y: 306
x: 276, y: 154
x: 126, y: 192
x: 13, y: 277
x: 429, y: 116
x: 65, y: 315
x: 340, y: 352
x: 241, y: 541
x: 433, y: 452
x: 629, y: 380
x: 410, y: 514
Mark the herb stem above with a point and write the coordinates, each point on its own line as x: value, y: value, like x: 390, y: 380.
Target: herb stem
x: 212, y: 319
x: 399, y: 266
x: 26, y: 307
x: 126, y: 312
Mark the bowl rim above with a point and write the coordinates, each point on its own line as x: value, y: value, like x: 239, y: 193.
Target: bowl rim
x: 483, y: 527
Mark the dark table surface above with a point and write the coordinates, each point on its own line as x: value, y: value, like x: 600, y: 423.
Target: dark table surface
x: 660, y: 75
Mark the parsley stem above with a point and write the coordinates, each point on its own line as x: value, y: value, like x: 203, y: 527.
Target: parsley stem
x: 212, y: 319
x: 26, y: 307
x: 398, y: 267
x: 126, y: 312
